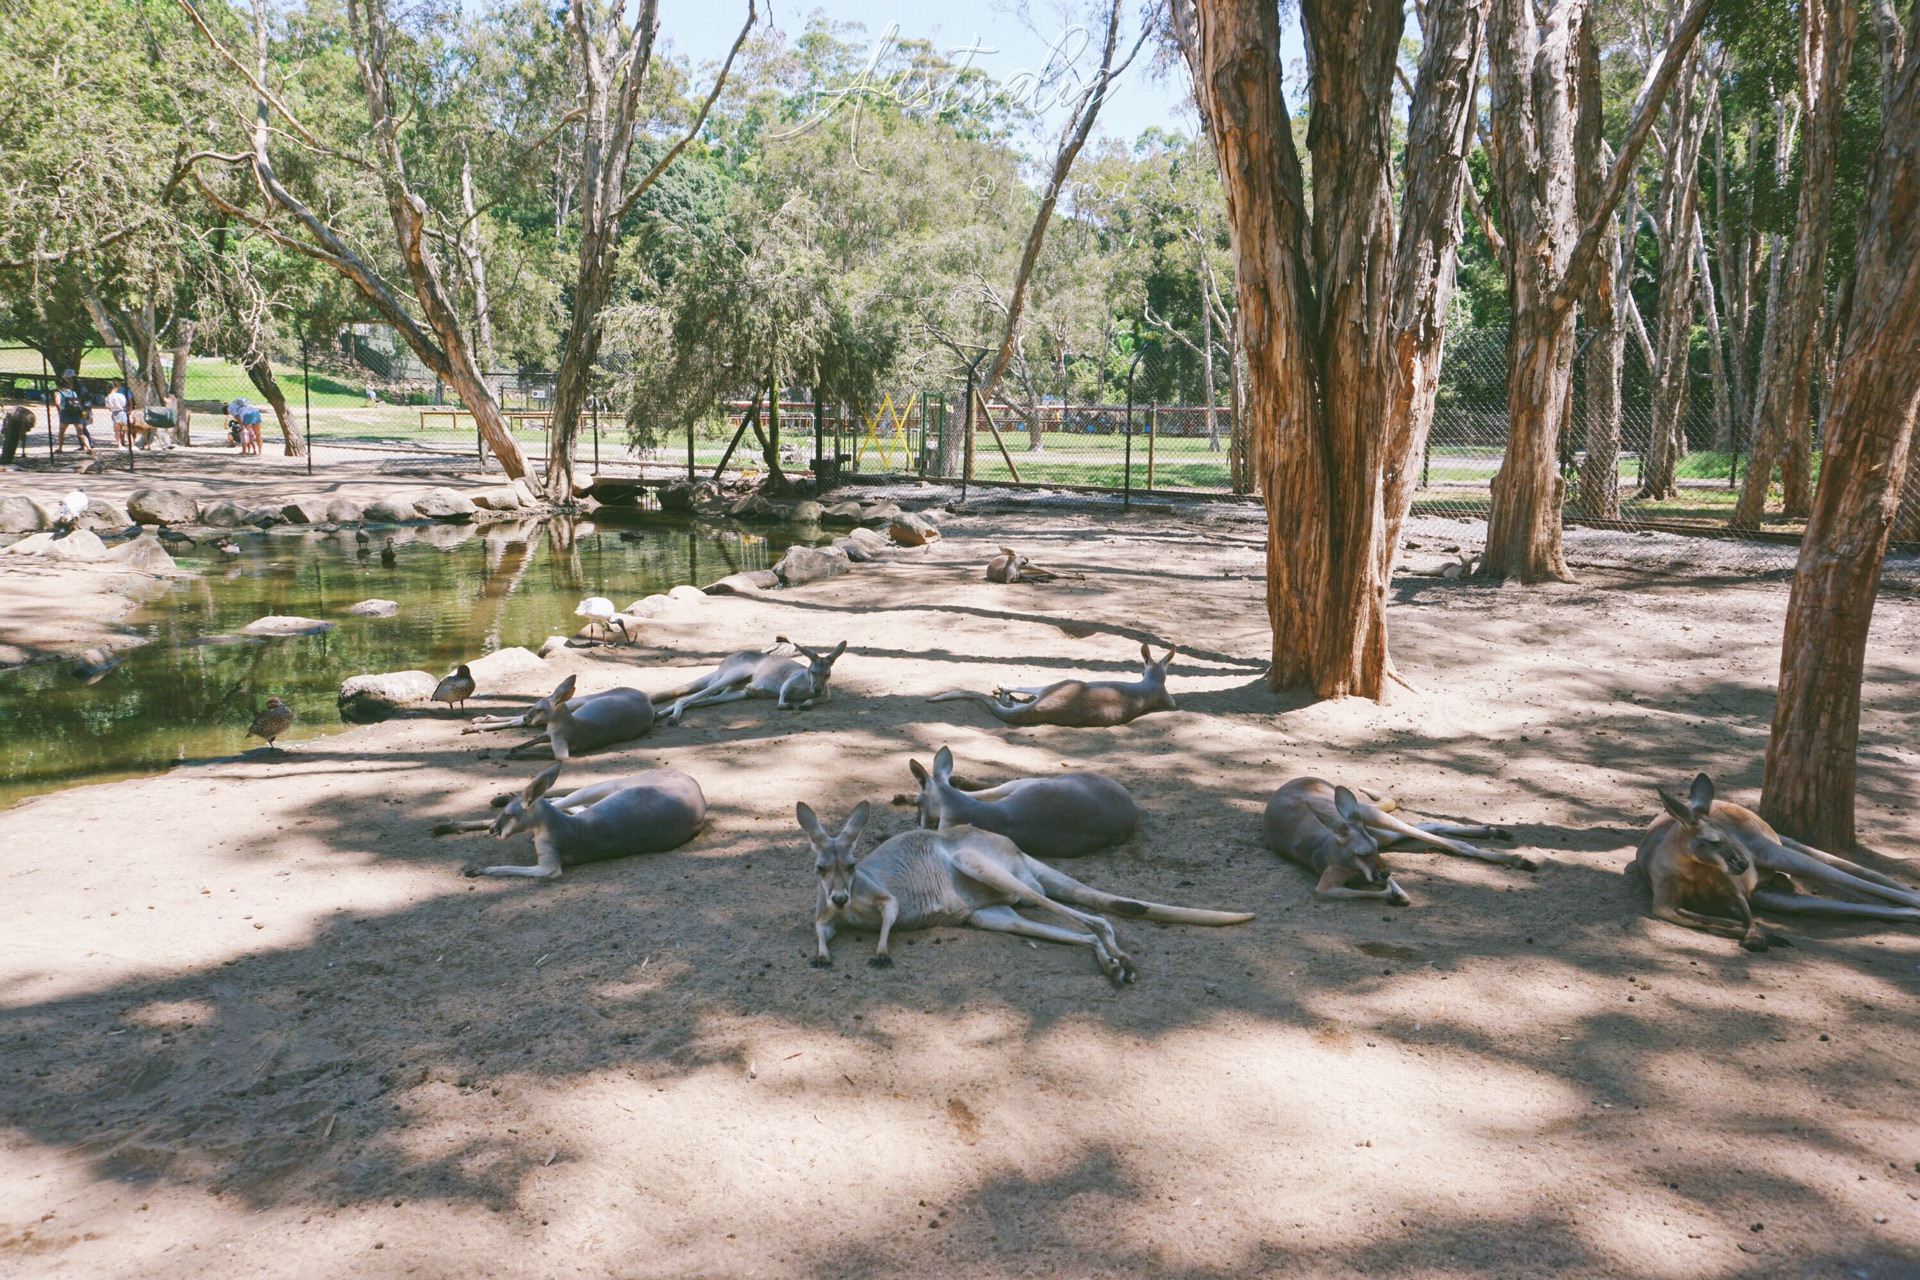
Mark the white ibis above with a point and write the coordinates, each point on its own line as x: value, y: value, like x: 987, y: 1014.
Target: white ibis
x: 72, y: 507
x: 599, y: 611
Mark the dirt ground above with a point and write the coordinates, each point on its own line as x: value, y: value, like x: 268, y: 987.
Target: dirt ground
x: 253, y: 1021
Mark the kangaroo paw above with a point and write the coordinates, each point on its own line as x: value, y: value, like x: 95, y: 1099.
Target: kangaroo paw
x: 880, y: 962
x: 1754, y: 942
x: 1778, y: 940
x: 444, y: 828
x: 1118, y: 968
x: 821, y: 962
x: 1519, y: 863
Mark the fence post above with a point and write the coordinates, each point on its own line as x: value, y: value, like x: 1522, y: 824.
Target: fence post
x: 689, y: 450
x: 596, y: 433
x: 306, y: 397
x: 1126, y: 487
x: 47, y: 390
x: 966, y: 451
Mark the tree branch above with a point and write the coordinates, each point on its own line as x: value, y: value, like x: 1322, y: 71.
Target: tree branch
x: 653, y: 174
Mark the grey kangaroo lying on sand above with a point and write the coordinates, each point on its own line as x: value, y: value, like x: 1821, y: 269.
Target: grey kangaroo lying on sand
x: 1059, y: 817
x: 1011, y: 566
x: 649, y: 812
x: 759, y: 675
x: 1709, y: 863
x: 578, y: 725
x: 1079, y: 704
x: 964, y: 876
x: 1335, y: 834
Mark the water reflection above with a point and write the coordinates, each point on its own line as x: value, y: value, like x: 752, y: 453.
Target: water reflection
x: 191, y: 690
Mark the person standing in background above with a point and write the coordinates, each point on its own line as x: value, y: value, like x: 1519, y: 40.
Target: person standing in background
x: 71, y: 402
x: 118, y: 404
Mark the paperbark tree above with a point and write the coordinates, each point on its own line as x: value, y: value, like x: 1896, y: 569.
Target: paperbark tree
x: 1808, y: 792
x: 1551, y: 250
x: 439, y: 337
x: 1341, y: 321
x: 1783, y: 406
x: 614, y: 62
x: 1679, y: 236
x: 1607, y: 348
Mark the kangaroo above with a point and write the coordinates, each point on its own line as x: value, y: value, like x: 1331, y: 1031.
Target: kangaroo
x: 649, y: 812
x: 1330, y: 831
x: 758, y: 675
x: 1710, y: 862
x: 575, y: 725
x: 1010, y: 566
x: 965, y: 876
x: 1079, y: 704
x: 1061, y: 817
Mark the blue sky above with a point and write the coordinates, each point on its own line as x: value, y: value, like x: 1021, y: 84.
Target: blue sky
x: 703, y: 30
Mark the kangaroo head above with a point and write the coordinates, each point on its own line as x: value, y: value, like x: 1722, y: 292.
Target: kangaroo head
x: 932, y: 811
x: 520, y: 813
x: 1155, y: 677
x: 833, y: 859
x: 1704, y: 838
x: 820, y: 665
x: 1356, y: 847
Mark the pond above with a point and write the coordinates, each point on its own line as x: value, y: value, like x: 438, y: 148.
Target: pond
x: 190, y: 692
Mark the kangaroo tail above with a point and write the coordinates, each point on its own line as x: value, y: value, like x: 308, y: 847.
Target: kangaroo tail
x: 675, y: 694
x: 998, y: 708
x: 1064, y: 887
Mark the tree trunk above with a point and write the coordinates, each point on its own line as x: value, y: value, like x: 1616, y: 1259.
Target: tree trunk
x: 1550, y: 252
x: 1782, y: 408
x: 1906, y: 520
x: 1206, y: 373
x: 260, y: 374
x: 1811, y: 756
x: 1679, y: 250
x: 1731, y: 260
x: 177, y: 384
x: 1716, y: 348
x: 1607, y: 347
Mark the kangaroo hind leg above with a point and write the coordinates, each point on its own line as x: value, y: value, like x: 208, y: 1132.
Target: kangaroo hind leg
x: 992, y: 873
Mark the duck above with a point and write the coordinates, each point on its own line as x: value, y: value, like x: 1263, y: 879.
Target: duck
x: 229, y: 548
x: 599, y: 611
x: 177, y: 538
x: 388, y: 556
x: 362, y: 537
x: 274, y: 720
x: 457, y: 687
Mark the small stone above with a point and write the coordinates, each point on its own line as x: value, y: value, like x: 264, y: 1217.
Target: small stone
x: 275, y: 624
x: 364, y: 699
x: 552, y: 645
x: 687, y: 595
x: 145, y: 554
x: 375, y: 609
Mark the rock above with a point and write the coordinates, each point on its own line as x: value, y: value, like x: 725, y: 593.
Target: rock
x: 448, y: 534
x: 676, y: 497
x: 842, y: 514
x: 687, y: 595
x: 343, y: 511
x: 94, y: 665
x: 364, y: 699
x: 858, y: 552
x: 304, y: 511
x: 744, y: 584
x: 910, y: 530
x: 220, y: 514
x: 810, y: 564
x: 872, y: 539
x: 806, y: 511
x: 104, y: 515
x: 387, y: 511
x: 263, y: 517
x: 17, y: 515
x: 144, y: 553
x: 878, y: 513
x: 374, y: 609
x: 505, y: 499
x: 552, y: 645
x: 444, y: 504
x: 503, y: 664
x: 528, y: 496
x: 162, y: 506
x: 81, y: 544
x: 280, y: 624
x: 649, y: 606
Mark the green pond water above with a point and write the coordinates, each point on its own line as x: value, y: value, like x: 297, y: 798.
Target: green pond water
x: 190, y: 692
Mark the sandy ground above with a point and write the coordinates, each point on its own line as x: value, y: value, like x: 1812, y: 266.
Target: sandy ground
x: 253, y: 1021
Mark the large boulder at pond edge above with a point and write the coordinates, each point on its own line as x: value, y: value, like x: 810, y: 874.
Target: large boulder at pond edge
x: 104, y: 515
x: 263, y: 517
x: 749, y: 583
x: 911, y: 530
x: 162, y: 506
x: 505, y: 498
x: 810, y: 564
x: 387, y: 511
x: 444, y: 504
x: 143, y: 553
x: 842, y: 514
x: 343, y: 511
x: 806, y: 511
x: 18, y: 515
x: 78, y: 545
x: 364, y: 699
x: 304, y: 510
x: 280, y: 624
x: 220, y: 514
x: 504, y: 664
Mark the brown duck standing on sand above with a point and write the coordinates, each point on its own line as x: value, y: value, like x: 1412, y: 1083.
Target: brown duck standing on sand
x: 275, y: 720
x: 457, y: 687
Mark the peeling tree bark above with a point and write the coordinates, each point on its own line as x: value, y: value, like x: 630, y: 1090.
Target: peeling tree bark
x: 1811, y: 757
x: 1607, y: 347
x: 1679, y: 250
x: 1782, y: 410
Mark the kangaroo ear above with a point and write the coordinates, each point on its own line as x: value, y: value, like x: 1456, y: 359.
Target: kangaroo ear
x: 564, y: 690
x: 943, y: 764
x: 1346, y: 804
x: 1146, y: 655
x: 1171, y: 651
x: 857, y: 822
x: 1682, y: 811
x: 809, y: 823
x: 837, y: 651
x: 1701, y: 797
x: 919, y: 771
x: 541, y: 784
